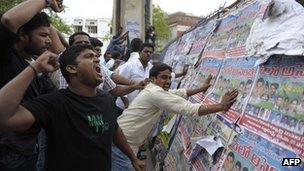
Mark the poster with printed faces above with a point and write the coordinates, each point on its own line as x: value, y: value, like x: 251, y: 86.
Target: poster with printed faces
x: 237, y: 73
x: 275, y: 107
x: 245, y: 18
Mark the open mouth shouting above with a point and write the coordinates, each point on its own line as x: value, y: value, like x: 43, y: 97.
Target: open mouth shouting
x: 98, y: 70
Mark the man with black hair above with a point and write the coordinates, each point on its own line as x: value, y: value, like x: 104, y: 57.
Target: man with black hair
x: 25, y: 33
x: 79, y: 38
x: 142, y: 114
x: 229, y: 162
x: 80, y: 121
x: 109, y: 76
x: 136, y: 70
x: 97, y: 44
x: 117, y: 57
x: 136, y: 45
x: 238, y: 166
x: 273, y: 91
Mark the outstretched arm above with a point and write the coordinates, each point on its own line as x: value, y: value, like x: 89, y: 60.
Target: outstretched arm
x: 14, y: 18
x: 121, y: 91
x: 227, y: 101
x: 118, y: 79
x: 13, y: 116
x: 203, y: 88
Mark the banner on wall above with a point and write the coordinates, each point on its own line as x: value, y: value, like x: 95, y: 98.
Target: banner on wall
x: 275, y: 108
x: 254, y: 152
x: 265, y: 124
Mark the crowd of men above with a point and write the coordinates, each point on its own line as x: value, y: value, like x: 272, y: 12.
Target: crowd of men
x: 85, y: 111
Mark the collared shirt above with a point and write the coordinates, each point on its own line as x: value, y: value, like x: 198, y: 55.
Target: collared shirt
x: 136, y: 72
x: 139, y: 118
x: 133, y: 56
x: 107, y: 84
x: 108, y: 64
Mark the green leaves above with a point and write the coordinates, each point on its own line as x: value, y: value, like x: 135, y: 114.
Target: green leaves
x: 162, y: 29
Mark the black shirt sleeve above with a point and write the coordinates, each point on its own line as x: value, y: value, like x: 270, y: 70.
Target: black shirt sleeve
x: 7, y: 40
x: 44, y: 108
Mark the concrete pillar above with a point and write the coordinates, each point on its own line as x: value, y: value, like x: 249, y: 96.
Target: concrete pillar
x: 132, y: 16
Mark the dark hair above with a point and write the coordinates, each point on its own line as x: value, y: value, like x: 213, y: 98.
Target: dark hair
x: 156, y: 69
x: 261, y: 80
x: 245, y: 169
x: 115, y: 54
x: 231, y: 154
x: 136, y: 45
x: 72, y: 37
x: 249, y: 82
x: 238, y: 163
x: 276, y: 85
x: 68, y: 57
x: 40, y: 19
x: 95, y: 42
x: 146, y: 45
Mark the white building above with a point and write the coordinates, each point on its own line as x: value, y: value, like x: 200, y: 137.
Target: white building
x: 95, y: 27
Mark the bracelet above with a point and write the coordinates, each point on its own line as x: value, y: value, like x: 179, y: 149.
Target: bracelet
x: 35, y: 71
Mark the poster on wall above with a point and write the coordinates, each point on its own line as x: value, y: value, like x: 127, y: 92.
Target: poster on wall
x: 185, y: 43
x: 217, y: 44
x: 253, y: 152
x: 275, y: 109
x: 211, y: 143
x: 175, y: 160
x: 245, y: 17
x: 201, y: 34
x: 236, y: 73
x: 169, y: 57
x: 208, y: 66
x: 134, y: 29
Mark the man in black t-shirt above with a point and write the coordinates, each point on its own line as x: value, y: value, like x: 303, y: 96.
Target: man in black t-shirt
x: 80, y: 121
x: 24, y: 34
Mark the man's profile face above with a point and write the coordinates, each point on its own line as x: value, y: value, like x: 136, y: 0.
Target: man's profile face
x: 38, y: 41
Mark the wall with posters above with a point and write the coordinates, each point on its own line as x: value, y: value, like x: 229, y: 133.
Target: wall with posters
x: 266, y: 123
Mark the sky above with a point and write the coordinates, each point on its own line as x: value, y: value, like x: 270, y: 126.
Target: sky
x: 103, y: 8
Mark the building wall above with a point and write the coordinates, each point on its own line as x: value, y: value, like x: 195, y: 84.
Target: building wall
x: 86, y: 24
x: 180, y: 22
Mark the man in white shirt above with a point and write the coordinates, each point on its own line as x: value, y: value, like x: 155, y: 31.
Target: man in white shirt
x: 107, y: 59
x: 136, y: 71
x: 139, y: 118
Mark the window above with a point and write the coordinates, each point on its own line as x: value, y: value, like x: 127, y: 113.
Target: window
x: 78, y: 28
x: 92, y: 29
